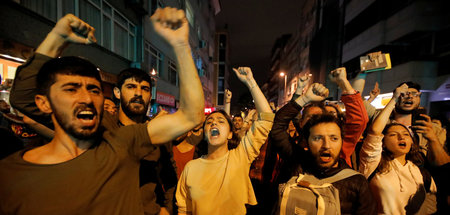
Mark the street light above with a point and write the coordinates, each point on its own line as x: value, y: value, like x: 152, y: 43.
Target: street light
x: 282, y: 74
x: 153, y: 73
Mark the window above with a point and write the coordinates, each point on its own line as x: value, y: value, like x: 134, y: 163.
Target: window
x: 221, y: 70
x: 222, y: 41
x: 153, y: 5
x: 222, y: 54
x: 220, y: 85
x: 113, y: 31
x: 153, y: 58
x: 46, y: 8
x: 220, y: 98
x: 173, y: 73
x: 190, y: 14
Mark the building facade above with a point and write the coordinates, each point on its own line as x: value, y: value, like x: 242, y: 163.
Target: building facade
x: 337, y: 33
x: 125, y: 38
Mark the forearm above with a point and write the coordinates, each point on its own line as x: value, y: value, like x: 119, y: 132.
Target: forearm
x: 191, y: 92
x: 382, y: 119
x: 370, y: 154
x: 279, y: 134
x: 346, y: 87
x: 437, y: 154
x: 261, y: 104
x: 39, y: 128
x: 355, y: 123
x: 227, y: 107
x: 52, y: 46
x: 24, y: 89
x: 359, y: 82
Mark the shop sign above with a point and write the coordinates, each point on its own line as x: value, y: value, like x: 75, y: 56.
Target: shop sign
x: 165, y: 99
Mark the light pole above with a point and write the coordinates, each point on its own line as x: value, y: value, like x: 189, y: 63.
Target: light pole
x: 282, y: 74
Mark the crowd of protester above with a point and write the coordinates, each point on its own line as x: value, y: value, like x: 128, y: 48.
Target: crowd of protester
x: 96, y: 155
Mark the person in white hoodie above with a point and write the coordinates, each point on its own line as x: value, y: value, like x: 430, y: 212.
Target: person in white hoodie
x: 391, y: 159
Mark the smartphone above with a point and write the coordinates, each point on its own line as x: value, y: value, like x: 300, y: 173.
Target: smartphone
x: 416, y: 115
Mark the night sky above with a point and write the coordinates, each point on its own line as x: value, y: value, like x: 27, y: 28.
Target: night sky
x: 253, y: 27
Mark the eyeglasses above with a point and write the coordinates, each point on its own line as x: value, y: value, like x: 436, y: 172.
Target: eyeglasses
x: 412, y: 94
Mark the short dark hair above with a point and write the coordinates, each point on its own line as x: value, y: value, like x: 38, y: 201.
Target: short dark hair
x: 318, y: 119
x: 410, y: 85
x: 137, y: 74
x: 71, y: 65
x: 313, y: 104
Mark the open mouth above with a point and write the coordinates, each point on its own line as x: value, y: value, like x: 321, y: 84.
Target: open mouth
x: 325, y: 157
x: 402, y: 145
x: 215, y: 132
x: 408, y: 102
x: 86, y: 115
x: 137, y: 100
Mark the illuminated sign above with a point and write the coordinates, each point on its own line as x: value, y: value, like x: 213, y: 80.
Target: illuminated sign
x: 209, y: 110
x: 165, y: 99
x: 381, y: 100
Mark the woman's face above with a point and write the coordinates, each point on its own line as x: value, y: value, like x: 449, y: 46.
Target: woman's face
x: 398, y: 140
x: 217, y: 130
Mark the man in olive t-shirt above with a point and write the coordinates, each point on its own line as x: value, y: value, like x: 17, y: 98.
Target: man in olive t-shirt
x: 85, y: 168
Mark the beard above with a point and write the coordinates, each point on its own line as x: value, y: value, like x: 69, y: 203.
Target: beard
x: 131, y: 111
x: 86, y: 133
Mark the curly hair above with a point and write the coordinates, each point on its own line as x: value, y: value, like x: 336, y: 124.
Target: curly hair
x: 386, y: 156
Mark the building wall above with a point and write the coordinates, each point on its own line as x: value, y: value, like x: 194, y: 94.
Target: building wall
x: 201, y: 38
x: 413, y: 33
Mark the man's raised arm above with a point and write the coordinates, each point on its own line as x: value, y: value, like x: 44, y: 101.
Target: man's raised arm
x: 172, y: 25
x: 68, y: 29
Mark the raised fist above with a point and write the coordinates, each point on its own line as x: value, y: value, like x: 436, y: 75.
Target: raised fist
x: 172, y: 25
x: 302, y: 83
x: 399, y: 91
x: 317, y: 92
x: 72, y: 29
x: 228, y: 96
x: 338, y: 75
x: 244, y: 74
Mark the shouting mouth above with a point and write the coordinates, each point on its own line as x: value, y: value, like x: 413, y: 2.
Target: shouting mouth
x: 325, y: 157
x: 87, y: 117
x: 408, y: 103
x: 215, y: 132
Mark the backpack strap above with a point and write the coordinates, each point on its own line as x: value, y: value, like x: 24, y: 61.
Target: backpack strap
x: 343, y: 174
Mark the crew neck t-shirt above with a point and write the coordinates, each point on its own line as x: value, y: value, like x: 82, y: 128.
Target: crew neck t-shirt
x: 102, y: 180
